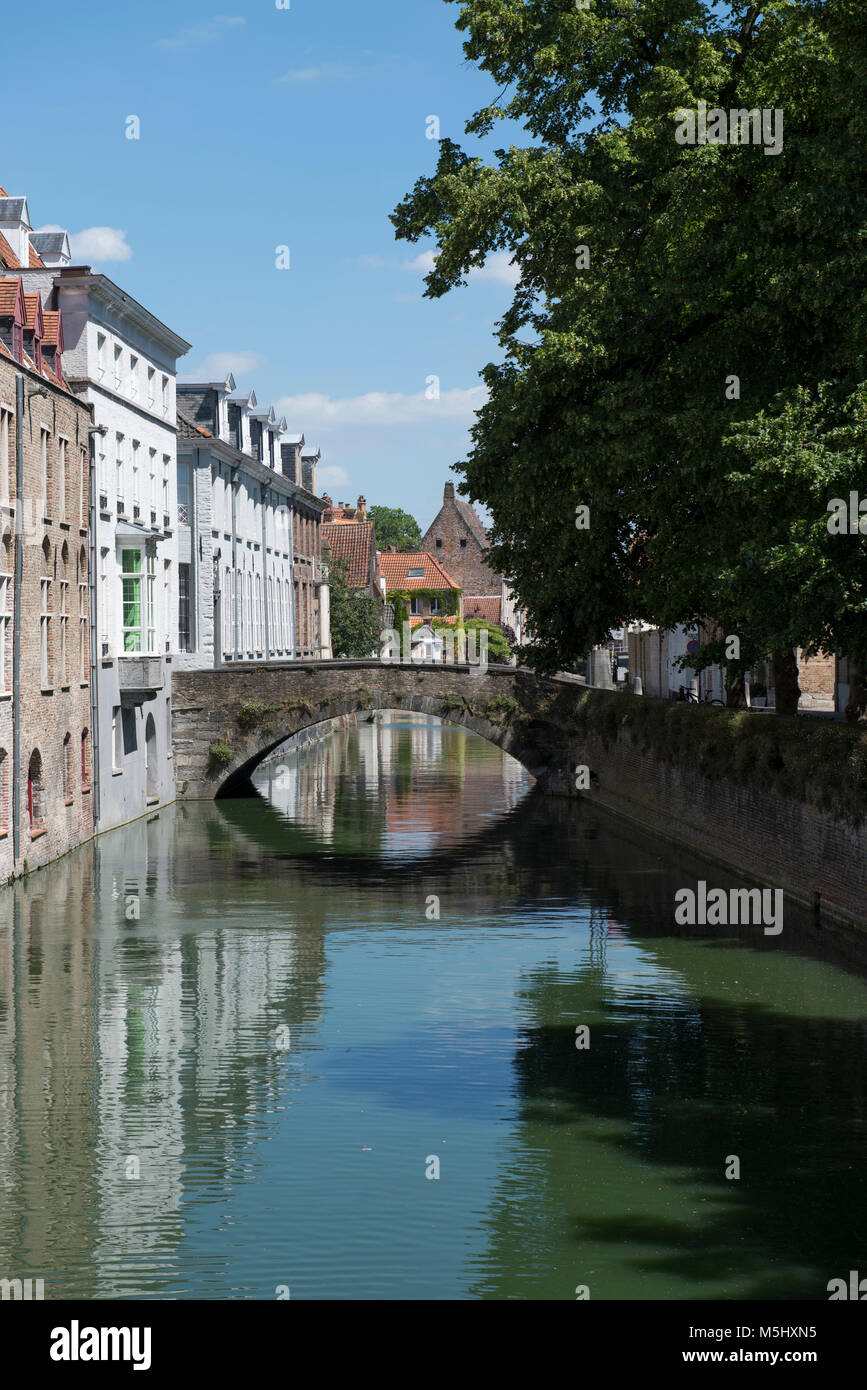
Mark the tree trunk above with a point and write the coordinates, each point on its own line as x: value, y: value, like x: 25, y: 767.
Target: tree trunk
x: 787, y: 691
x: 857, y: 705
x: 735, y: 694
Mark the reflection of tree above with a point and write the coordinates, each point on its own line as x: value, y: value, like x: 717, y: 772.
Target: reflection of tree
x: 681, y: 1087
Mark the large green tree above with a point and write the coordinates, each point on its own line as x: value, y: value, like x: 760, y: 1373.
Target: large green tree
x: 356, y: 618
x: 395, y: 527
x: 669, y: 294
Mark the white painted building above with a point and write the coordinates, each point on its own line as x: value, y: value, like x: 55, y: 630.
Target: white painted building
x: 239, y: 530
x: 123, y: 361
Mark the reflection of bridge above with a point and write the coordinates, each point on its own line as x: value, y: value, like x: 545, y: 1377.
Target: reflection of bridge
x: 226, y: 721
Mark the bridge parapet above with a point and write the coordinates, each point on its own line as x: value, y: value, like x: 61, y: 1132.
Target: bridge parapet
x: 225, y: 722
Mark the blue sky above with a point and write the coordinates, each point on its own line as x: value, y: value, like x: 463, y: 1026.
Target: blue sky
x: 263, y: 127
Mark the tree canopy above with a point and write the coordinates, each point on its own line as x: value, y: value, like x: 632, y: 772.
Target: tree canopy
x: 356, y: 618
x: 684, y: 354
x: 395, y: 527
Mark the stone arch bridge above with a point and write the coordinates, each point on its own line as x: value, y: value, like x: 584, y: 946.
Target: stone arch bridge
x: 225, y: 722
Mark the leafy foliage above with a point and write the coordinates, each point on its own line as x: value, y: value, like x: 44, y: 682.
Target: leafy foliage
x: 395, y: 527
x: 356, y: 618
x: 705, y: 263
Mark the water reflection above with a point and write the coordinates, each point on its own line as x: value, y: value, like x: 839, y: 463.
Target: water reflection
x: 402, y: 785
x: 145, y: 981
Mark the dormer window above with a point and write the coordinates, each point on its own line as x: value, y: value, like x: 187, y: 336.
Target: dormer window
x: 415, y: 574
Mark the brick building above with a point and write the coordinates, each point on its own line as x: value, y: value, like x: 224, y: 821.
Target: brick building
x: 122, y: 360
x: 310, y: 554
x: 352, y: 540
x: 459, y: 541
x: 46, y: 720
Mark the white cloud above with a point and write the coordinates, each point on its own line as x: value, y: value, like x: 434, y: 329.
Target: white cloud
x: 332, y: 477
x: 203, y: 33
x: 217, y: 366
x: 316, y: 412
x: 98, y: 244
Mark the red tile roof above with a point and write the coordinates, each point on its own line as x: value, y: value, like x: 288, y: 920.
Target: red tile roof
x: 352, y: 543
x: 9, y: 290
x: 33, y: 311
x: 50, y: 319
x: 415, y: 619
x: 487, y: 606
x: 36, y: 261
x: 394, y: 569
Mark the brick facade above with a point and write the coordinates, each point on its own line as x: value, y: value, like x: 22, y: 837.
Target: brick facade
x: 54, y: 706
x: 457, y: 539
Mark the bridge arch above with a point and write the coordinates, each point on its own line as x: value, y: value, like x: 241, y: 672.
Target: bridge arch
x: 226, y: 722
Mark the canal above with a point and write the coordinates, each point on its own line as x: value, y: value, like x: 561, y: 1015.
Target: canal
x: 323, y: 1040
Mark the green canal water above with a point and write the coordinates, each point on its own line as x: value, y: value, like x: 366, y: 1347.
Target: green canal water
x: 236, y: 1038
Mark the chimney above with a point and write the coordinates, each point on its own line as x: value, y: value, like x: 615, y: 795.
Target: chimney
x: 289, y: 460
x: 362, y: 508
x: 449, y: 492
x: 328, y: 514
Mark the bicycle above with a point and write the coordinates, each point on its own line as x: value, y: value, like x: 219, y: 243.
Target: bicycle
x: 693, y: 698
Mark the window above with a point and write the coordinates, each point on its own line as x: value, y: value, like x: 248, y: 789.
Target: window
x: 100, y: 356
x: 165, y: 395
x: 5, y: 423
x: 5, y: 626
x: 184, y: 494
x: 166, y: 514
x: 260, y: 623
x: 151, y: 385
x: 85, y: 761
x: 150, y: 613
x: 35, y: 793
x: 184, y: 608
x: 167, y: 608
x: 121, y: 491
x: 62, y: 472
x: 45, y: 468
x: 435, y: 606
x: 273, y: 625
x: 67, y: 769
x: 116, y: 740
x: 415, y: 574
x: 83, y: 658
x: 226, y: 601
x: 133, y: 377
x: 45, y: 633
x: 464, y: 543
x: 84, y: 491
x: 64, y: 632
x: 439, y: 543
x: 248, y: 581
x: 4, y: 792
x: 136, y: 499
x: 131, y: 583
x: 118, y: 364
